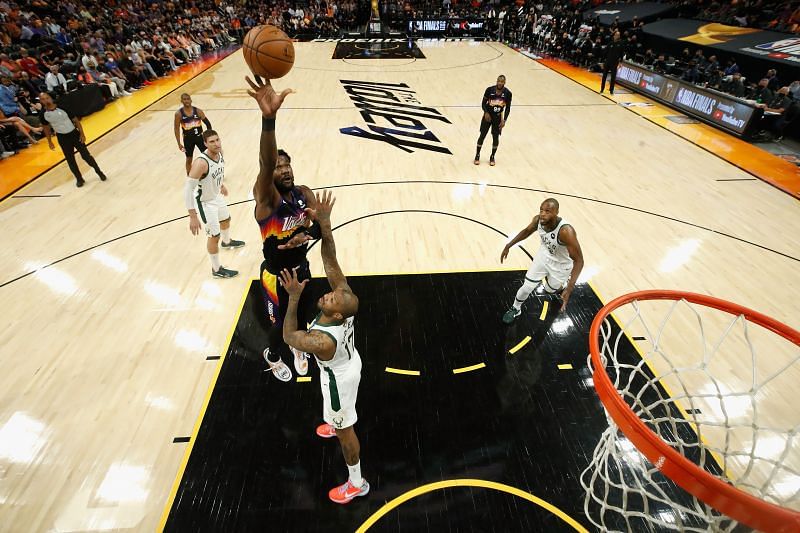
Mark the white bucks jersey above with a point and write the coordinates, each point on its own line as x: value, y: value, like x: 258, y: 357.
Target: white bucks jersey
x: 554, y: 249
x: 342, y: 333
x: 210, y: 184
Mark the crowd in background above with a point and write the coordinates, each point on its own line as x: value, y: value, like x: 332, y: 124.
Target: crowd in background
x: 122, y: 46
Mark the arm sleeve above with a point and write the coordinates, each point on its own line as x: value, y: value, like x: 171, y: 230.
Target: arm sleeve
x: 508, y: 107
x: 207, y: 123
x: 188, y: 193
x: 485, y: 103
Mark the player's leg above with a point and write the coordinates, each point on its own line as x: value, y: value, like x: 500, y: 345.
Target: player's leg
x: 605, y: 75
x: 484, y: 130
x: 533, y: 277
x: 339, y: 411
x: 225, y: 226
x: 209, y: 214
x: 556, y: 279
x: 613, y: 73
x: 306, y: 310
x: 495, y: 139
x: 269, y: 291
x: 89, y: 159
x: 188, y: 148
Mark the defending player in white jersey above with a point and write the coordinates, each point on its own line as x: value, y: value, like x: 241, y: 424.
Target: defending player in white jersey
x: 558, y: 261
x: 330, y: 339
x: 204, y: 192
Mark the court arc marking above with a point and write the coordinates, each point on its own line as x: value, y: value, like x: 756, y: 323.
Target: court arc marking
x: 565, y: 366
x: 412, y: 182
x: 457, y: 483
x: 470, y: 368
x: 544, y: 310
x: 519, y: 346
x: 402, y: 372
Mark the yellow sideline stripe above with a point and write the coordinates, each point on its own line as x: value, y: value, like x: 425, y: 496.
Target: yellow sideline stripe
x: 565, y: 366
x: 176, y: 484
x: 544, y: 310
x: 402, y: 372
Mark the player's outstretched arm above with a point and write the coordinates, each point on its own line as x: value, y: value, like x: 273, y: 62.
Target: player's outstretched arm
x: 568, y: 236
x: 322, y: 214
x: 521, y: 236
x: 265, y: 192
x: 307, y: 341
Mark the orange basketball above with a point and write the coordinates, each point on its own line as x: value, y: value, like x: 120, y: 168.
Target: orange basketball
x: 268, y: 51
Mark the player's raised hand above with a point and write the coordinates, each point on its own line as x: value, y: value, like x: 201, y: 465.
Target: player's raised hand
x: 322, y: 211
x: 290, y: 282
x: 268, y: 100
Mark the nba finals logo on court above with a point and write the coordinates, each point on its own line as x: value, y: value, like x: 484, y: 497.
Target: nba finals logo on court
x: 394, y: 116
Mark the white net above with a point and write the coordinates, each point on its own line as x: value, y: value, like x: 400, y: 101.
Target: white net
x: 718, y: 389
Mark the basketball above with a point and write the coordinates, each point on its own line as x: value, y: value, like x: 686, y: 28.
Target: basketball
x: 268, y: 52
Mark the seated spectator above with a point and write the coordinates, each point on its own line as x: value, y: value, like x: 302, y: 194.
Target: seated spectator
x: 32, y: 86
x: 731, y: 68
x: 775, y: 117
x: 772, y: 80
x: 734, y: 85
x: 30, y: 64
x: 55, y: 81
x: 8, y: 97
x: 23, y: 127
x: 761, y: 93
x: 10, y: 65
x: 692, y: 73
x: 660, y: 64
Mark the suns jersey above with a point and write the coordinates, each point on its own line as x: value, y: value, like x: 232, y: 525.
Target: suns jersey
x: 552, y: 248
x: 286, y: 220
x: 209, y: 186
x: 191, y: 124
x: 496, y: 104
x: 343, y: 334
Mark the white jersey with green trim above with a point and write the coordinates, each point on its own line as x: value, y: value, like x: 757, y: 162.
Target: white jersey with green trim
x: 552, y: 248
x: 209, y: 187
x: 342, y: 333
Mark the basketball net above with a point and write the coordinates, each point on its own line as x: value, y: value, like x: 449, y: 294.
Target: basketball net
x: 703, y: 426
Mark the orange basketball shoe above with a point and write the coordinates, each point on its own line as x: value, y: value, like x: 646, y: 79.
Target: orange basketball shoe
x: 346, y: 492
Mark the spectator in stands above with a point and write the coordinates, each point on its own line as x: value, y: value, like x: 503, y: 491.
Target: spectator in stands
x: 712, y: 66
x: 731, y: 68
x: 660, y: 64
x: 30, y: 65
x: 10, y: 65
x: 734, y: 85
x: 772, y: 80
x: 32, y: 86
x: 55, y: 81
x: 775, y: 115
x: 794, y: 90
x: 761, y: 93
x: 692, y: 72
x: 8, y: 97
x: 23, y: 127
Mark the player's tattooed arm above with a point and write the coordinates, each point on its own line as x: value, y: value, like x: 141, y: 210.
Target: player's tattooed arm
x: 308, y: 341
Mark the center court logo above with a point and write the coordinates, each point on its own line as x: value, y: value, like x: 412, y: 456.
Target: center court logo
x: 394, y: 115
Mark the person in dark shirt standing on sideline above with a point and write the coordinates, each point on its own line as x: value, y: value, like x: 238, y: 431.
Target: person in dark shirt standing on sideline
x: 188, y: 119
x: 69, y: 133
x: 614, y: 53
x: 496, y: 108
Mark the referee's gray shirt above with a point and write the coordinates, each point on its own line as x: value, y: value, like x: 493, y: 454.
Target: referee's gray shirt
x: 59, y: 120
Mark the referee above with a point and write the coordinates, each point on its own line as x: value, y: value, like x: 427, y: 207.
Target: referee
x: 69, y: 133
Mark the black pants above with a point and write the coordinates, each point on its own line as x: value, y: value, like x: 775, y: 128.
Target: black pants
x: 609, y: 67
x: 276, y: 300
x: 494, y: 124
x: 69, y: 142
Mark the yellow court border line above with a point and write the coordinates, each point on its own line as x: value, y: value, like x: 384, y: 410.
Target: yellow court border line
x: 544, y: 310
x: 519, y: 345
x: 469, y: 368
x: 565, y: 366
x: 303, y: 379
x: 668, y: 390
x: 451, y: 483
x: 400, y: 371
x: 182, y: 468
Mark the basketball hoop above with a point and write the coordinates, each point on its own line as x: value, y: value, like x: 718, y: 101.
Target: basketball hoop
x: 713, y: 453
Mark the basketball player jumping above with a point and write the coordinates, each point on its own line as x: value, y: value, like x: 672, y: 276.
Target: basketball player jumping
x: 203, y: 192
x: 330, y: 339
x: 558, y: 261
x: 496, y: 106
x: 188, y: 119
x: 285, y: 229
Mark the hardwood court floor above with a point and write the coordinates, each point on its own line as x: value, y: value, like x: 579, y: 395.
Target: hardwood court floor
x: 105, y: 350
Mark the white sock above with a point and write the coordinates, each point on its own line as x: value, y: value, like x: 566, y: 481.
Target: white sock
x: 355, y: 474
x: 214, y: 261
x: 226, y: 235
